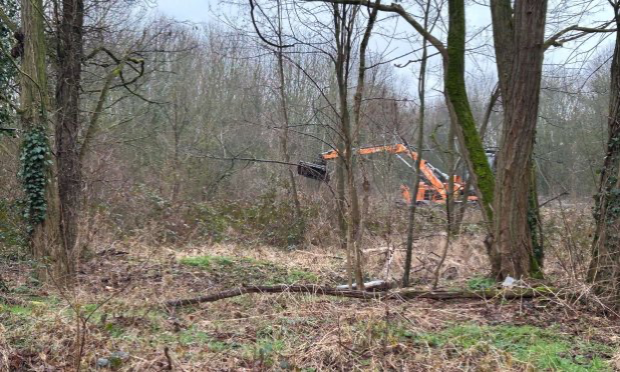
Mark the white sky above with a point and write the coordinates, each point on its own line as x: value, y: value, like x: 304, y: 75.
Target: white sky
x: 189, y: 10
x: 478, y: 17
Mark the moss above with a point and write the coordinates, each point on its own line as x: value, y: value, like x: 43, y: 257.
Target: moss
x: 535, y: 228
x: 457, y: 94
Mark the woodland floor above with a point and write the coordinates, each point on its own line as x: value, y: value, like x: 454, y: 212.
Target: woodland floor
x: 118, y: 310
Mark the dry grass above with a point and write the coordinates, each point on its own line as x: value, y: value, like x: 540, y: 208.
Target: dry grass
x: 123, y: 286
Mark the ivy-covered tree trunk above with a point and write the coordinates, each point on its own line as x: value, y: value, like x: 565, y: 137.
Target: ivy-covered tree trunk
x: 511, y: 249
x: 604, y: 270
x: 69, y: 52
x: 42, y: 205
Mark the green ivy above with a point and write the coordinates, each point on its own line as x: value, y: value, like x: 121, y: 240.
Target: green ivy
x: 35, y: 161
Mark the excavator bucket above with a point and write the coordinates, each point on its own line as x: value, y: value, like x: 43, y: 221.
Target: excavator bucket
x: 313, y: 170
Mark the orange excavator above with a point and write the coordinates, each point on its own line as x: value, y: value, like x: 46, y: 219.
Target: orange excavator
x: 432, y: 188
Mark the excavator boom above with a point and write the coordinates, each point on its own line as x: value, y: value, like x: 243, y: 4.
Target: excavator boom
x: 433, y: 188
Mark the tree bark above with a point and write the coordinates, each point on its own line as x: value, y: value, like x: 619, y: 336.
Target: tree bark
x: 285, y: 117
x: 312, y: 289
x: 69, y: 52
x: 604, y: 269
x: 511, y: 247
x: 37, y: 164
x: 344, y: 19
x: 420, y: 145
x: 458, y: 104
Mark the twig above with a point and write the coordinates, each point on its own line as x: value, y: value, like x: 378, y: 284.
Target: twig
x: 552, y: 199
x: 168, y: 358
x: 242, y: 159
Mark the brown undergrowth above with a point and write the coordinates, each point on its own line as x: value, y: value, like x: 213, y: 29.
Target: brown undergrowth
x: 117, y: 313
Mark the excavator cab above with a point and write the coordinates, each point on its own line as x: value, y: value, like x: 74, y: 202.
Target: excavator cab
x: 315, y: 171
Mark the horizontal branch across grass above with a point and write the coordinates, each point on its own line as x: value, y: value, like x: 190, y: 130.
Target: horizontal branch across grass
x: 366, y: 295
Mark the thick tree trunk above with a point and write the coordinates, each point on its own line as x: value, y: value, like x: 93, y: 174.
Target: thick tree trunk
x: 604, y: 270
x: 69, y: 50
x: 37, y: 164
x: 511, y: 248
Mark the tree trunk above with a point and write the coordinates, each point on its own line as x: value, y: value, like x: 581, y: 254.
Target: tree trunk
x: 604, y: 270
x: 460, y: 110
x: 344, y: 23
x: 511, y: 248
x: 459, y: 212
x: 285, y: 117
x: 69, y: 49
x: 37, y: 164
x: 420, y: 145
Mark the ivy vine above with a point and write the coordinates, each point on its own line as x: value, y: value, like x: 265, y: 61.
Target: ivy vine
x: 35, y: 162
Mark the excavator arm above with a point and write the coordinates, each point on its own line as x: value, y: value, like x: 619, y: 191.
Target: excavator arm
x: 426, y: 169
x: 435, y: 182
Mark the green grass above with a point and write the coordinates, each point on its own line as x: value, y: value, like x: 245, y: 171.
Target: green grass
x: 235, y: 271
x: 545, y: 349
x: 480, y: 283
x: 16, y: 310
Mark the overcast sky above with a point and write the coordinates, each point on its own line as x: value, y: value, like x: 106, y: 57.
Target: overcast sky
x: 188, y: 10
x: 211, y: 11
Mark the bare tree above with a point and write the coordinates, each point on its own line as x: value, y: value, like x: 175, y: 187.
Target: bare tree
x: 604, y: 270
x: 69, y: 64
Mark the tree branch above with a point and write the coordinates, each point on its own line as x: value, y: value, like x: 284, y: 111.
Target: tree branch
x: 555, y: 40
x: 398, y: 9
x: 260, y: 35
x: 243, y: 159
x: 364, y: 295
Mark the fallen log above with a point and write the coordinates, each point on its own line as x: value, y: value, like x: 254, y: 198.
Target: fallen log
x: 405, y: 293
x: 375, y: 285
x: 309, y: 289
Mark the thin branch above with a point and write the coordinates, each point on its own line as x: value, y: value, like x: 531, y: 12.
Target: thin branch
x: 242, y: 159
x: 398, y: 9
x: 555, y: 40
x: 260, y: 35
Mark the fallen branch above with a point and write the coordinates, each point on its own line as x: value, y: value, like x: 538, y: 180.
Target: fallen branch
x: 310, y: 289
x: 397, y: 294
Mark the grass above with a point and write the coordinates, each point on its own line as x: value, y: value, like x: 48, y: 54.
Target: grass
x: 17, y: 310
x: 292, y: 332
x: 233, y: 271
x: 480, y: 283
x: 545, y: 349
